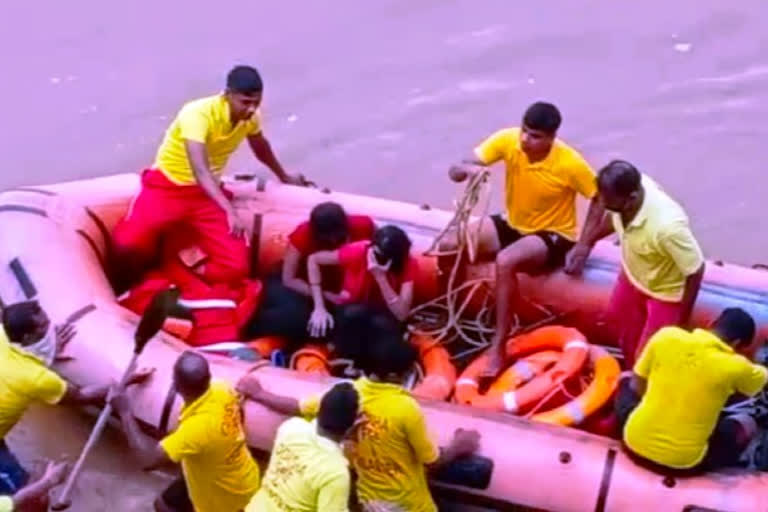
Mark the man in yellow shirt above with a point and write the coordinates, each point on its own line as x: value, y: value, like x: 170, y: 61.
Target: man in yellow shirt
x: 307, y: 469
x: 182, y: 190
x: 543, y: 177
x: 219, y: 473
x: 662, y: 263
x: 28, y: 344
x: 683, y: 380
x: 389, y: 446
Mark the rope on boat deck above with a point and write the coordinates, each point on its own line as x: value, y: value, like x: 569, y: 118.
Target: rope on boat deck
x: 472, y: 332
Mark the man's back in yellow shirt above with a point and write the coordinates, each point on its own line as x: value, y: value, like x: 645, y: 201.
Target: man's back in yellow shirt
x: 690, y: 376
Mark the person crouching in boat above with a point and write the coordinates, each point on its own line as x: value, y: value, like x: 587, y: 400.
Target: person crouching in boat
x: 376, y: 293
x: 672, y: 405
x: 543, y: 176
x: 219, y: 473
x: 29, y: 344
x: 661, y: 262
x: 182, y: 190
x: 307, y: 470
x: 287, y: 302
x: 389, y: 446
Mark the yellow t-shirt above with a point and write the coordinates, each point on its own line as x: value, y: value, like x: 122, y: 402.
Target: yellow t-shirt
x: 205, y: 120
x: 389, y: 447
x: 24, y: 379
x: 690, y: 376
x: 6, y: 504
x: 540, y: 196
x: 658, y: 249
x: 306, y: 473
x: 209, y: 443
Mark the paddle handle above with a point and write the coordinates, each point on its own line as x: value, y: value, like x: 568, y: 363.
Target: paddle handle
x: 63, y: 502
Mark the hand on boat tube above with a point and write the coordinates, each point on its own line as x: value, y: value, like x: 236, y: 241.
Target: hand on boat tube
x: 298, y: 180
x: 465, y: 442
x: 249, y: 386
x: 320, y: 323
x: 237, y: 226
x: 576, y: 259
x: 119, y: 401
x: 140, y: 376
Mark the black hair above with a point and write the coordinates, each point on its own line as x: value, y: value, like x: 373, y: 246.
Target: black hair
x: 543, y: 117
x: 619, y: 176
x: 735, y: 326
x: 393, y: 245
x: 329, y: 224
x: 338, y: 409
x: 192, y: 373
x: 19, y: 319
x: 389, y: 355
x: 244, y: 80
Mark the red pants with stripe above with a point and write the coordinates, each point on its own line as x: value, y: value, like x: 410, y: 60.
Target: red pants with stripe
x: 161, y: 207
x: 636, y: 317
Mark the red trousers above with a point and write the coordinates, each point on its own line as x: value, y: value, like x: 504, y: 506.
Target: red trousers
x: 636, y: 317
x: 162, y: 206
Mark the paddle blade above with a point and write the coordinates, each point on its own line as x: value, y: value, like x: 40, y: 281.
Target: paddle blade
x: 154, y: 317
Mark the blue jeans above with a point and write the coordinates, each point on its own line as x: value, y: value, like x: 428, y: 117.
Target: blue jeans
x: 12, y: 475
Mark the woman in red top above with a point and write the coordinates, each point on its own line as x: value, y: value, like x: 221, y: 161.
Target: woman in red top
x: 286, y: 305
x: 378, y: 277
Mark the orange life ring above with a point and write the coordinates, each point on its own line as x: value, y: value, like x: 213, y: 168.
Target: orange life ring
x: 439, y: 371
x: 178, y: 327
x: 312, y: 358
x: 599, y: 391
x: 574, y: 349
x: 266, y: 345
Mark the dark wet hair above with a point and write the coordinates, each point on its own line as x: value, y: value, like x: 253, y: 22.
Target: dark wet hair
x: 244, y: 80
x: 543, y: 117
x: 735, y: 326
x: 338, y: 409
x: 19, y: 319
x: 394, y: 245
x: 620, y: 177
x: 191, y: 373
x: 329, y: 224
x: 390, y: 355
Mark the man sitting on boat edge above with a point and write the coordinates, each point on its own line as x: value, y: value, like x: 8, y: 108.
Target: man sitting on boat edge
x: 543, y: 176
x: 671, y: 408
x: 182, y: 189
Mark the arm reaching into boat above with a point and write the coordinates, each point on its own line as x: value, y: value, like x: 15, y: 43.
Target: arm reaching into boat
x: 321, y: 321
x: 34, y: 492
x: 597, y: 226
x: 250, y: 388
x: 150, y: 454
x: 97, y: 394
x: 263, y: 151
x: 197, y: 153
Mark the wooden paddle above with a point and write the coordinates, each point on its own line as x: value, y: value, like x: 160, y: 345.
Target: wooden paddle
x: 150, y: 324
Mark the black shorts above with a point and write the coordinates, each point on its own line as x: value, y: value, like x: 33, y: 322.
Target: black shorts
x: 176, y: 496
x: 557, y: 245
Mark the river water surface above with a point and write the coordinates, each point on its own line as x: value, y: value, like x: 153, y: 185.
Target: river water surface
x: 379, y: 98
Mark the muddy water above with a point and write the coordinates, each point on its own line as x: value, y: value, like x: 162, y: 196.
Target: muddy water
x: 379, y: 99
